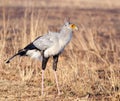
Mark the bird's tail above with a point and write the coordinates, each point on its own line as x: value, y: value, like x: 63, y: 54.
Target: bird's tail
x: 21, y: 52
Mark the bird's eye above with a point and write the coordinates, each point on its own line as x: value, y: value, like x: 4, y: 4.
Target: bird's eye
x: 72, y: 25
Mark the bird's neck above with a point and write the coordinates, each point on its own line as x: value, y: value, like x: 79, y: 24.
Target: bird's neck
x: 65, y: 36
x: 65, y: 33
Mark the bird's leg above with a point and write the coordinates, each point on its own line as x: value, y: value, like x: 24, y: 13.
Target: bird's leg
x: 44, y: 63
x: 42, y: 82
x: 57, y: 82
x: 55, y: 58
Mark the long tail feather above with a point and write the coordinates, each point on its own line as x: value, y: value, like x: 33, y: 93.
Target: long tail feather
x: 20, y: 52
x: 8, y: 61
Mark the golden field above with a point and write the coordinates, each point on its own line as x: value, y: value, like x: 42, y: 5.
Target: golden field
x: 89, y: 67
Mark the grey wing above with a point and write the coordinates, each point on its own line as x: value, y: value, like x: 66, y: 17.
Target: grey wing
x: 44, y: 42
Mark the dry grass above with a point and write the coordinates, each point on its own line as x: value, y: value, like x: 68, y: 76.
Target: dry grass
x: 88, y: 69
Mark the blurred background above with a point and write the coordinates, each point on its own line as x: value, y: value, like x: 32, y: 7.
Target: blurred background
x: 67, y: 3
x: 88, y: 69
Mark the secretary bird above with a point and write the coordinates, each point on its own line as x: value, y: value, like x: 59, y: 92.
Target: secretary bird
x: 51, y: 44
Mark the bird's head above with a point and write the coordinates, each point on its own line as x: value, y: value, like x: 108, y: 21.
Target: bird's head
x: 70, y: 26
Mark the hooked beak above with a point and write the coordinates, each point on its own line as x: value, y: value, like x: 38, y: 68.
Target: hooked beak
x: 73, y: 26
